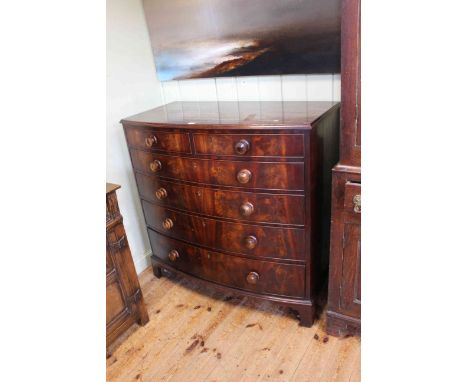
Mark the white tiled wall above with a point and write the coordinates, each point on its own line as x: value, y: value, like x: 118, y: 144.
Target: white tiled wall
x: 314, y: 87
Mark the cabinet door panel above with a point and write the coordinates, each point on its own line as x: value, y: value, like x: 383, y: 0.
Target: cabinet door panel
x: 351, y: 280
x: 118, y: 289
x: 115, y: 303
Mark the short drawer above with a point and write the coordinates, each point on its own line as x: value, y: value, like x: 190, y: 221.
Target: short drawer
x: 246, y: 206
x: 269, y: 145
x: 252, y: 275
x: 152, y: 139
x: 352, y: 198
x: 280, y: 243
x: 266, y: 175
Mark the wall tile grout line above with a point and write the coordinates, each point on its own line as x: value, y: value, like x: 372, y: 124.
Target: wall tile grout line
x: 333, y: 86
x: 178, y: 91
x: 163, y: 93
x: 281, y: 82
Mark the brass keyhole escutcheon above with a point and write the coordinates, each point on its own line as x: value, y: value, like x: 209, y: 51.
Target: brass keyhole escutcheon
x: 357, y: 203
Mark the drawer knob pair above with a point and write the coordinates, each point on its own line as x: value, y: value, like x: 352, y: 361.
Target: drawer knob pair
x: 357, y: 203
x: 247, y: 209
x: 155, y: 165
x: 244, y: 176
x: 242, y: 146
x: 173, y: 255
x: 168, y: 224
x: 161, y: 193
x: 252, y: 278
x: 150, y: 141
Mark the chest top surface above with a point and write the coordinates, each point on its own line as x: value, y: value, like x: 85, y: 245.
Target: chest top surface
x: 111, y: 187
x: 224, y: 114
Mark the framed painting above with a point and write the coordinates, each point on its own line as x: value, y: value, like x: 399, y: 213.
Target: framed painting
x: 226, y: 38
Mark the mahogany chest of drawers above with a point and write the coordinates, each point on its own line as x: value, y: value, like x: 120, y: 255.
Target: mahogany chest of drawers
x: 237, y: 194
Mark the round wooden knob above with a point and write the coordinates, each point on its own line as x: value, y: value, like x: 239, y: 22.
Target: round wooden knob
x: 242, y: 146
x: 173, y: 255
x: 244, y: 176
x: 161, y: 193
x: 247, y: 209
x: 168, y: 223
x: 252, y: 278
x: 250, y: 242
x: 155, y: 165
x: 150, y: 141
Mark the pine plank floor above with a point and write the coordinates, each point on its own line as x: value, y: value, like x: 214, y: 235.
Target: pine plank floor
x: 197, y: 334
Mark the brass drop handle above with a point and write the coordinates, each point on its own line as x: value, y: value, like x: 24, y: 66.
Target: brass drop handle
x: 161, y: 193
x: 155, y: 165
x: 150, y: 141
x: 250, y: 242
x: 244, y: 176
x: 173, y: 255
x: 242, y: 146
x: 252, y: 278
x: 168, y: 224
x: 357, y: 203
x: 247, y: 209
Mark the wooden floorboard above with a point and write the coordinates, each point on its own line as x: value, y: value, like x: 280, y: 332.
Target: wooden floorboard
x: 197, y: 334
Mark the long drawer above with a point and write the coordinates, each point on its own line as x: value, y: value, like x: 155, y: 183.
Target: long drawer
x: 252, y: 275
x: 247, y: 239
x: 266, y: 175
x: 273, y: 145
x: 245, y: 206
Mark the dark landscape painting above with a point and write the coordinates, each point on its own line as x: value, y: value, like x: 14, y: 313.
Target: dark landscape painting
x: 223, y: 38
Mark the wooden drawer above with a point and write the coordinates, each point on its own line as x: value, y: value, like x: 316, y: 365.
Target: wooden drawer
x: 267, y: 208
x: 252, y: 275
x: 266, y: 175
x: 272, y: 145
x: 158, y: 140
x: 352, y: 198
x: 281, y: 243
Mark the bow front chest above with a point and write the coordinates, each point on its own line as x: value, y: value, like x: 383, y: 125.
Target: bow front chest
x: 237, y: 194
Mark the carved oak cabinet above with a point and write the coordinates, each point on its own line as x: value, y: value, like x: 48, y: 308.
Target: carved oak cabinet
x: 236, y: 194
x: 344, y: 287
x: 124, y: 301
